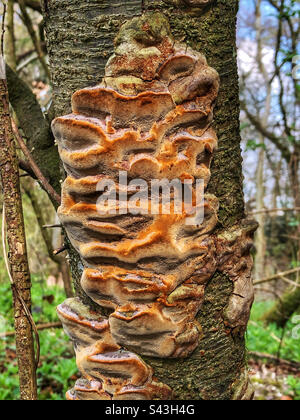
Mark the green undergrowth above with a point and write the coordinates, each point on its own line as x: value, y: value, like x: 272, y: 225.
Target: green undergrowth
x: 270, y: 339
x: 264, y: 338
x: 57, y: 368
x: 57, y: 371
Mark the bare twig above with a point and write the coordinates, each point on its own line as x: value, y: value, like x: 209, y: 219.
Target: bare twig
x: 52, y: 226
x: 3, y: 30
x: 27, y: 168
x: 33, y: 4
x: 26, y: 63
x: 295, y: 238
x: 293, y: 283
x: 285, y: 210
x: 266, y: 133
x: 60, y: 250
x: 272, y: 358
x: 25, y: 55
x: 277, y: 276
x: 39, y: 327
x: 33, y: 35
x: 50, y: 190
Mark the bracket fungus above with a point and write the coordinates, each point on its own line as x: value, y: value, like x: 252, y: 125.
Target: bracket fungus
x: 151, y: 117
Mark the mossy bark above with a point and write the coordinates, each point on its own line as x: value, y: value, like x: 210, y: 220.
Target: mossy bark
x: 282, y: 310
x: 80, y: 38
x: 35, y: 126
x: 17, y: 251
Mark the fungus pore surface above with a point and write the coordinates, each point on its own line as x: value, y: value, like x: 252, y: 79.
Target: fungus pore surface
x: 150, y: 117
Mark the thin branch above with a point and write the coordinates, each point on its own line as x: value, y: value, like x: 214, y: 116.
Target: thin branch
x: 35, y: 126
x: 3, y: 30
x: 50, y: 190
x: 26, y: 63
x: 270, y: 357
x: 52, y: 226
x: 277, y: 210
x: 60, y: 250
x: 277, y: 276
x: 293, y: 283
x: 27, y: 168
x: 39, y: 327
x: 25, y: 55
x: 34, y: 38
x: 33, y: 4
x: 266, y: 133
x: 295, y: 238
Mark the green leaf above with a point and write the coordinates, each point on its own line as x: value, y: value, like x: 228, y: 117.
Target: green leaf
x: 252, y: 145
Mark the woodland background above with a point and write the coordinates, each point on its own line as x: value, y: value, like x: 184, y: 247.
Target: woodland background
x: 269, y: 66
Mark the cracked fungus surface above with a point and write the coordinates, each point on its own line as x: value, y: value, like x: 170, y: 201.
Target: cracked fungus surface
x: 151, y: 117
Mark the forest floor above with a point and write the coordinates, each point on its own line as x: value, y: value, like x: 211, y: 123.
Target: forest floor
x: 274, y: 382
x: 57, y: 370
x: 274, y: 357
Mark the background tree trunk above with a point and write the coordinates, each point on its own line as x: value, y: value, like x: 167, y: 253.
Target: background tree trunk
x: 10, y: 49
x: 17, y: 265
x: 80, y: 38
x: 260, y: 239
x: 282, y: 310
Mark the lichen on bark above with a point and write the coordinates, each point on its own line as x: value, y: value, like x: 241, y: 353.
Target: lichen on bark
x: 192, y: 7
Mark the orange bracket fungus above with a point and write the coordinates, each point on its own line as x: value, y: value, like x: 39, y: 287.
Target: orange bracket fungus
x: 151, y: 117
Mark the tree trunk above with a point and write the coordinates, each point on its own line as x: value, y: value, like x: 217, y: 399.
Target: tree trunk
x: 260, y: 239
x: 282, y: 311
x: 10, y: 49
x: 18, y: 262
x: 34, y: 38
x: 294, y: 176
x: 80, y: 37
